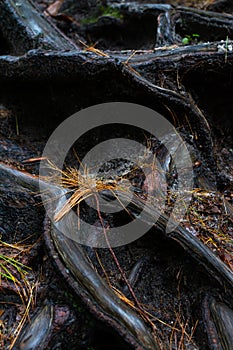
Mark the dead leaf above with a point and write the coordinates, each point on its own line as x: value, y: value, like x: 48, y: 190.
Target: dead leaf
x: 54, y: 8
x: 226, y: 258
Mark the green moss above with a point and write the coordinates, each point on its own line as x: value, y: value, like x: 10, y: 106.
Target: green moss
x: 102, y: 11
x: 109, y: 11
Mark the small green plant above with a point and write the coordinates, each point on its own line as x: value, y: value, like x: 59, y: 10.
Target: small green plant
x: 190, y: 39
x: 73, y: 301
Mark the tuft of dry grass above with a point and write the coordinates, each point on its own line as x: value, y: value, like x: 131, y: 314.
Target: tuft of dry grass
x: 13, y: 270
x: 19, y: 278
x: 82, y: 185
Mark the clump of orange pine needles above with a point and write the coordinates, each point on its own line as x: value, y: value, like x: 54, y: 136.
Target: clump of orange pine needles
x: 81, y: 184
